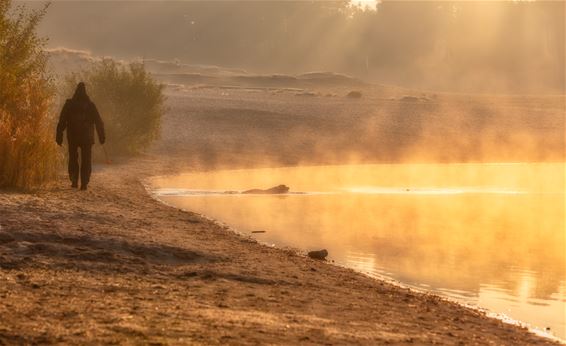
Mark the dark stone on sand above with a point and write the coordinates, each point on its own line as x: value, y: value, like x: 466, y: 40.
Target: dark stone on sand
x: 5, y: 238
x: 354, y: 95
x: 318, y: 255
x: 274, y: 190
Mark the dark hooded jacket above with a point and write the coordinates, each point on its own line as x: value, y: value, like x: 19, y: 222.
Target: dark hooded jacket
x: 80, y: 116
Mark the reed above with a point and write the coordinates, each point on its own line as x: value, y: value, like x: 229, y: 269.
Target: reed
x: 28, y: 153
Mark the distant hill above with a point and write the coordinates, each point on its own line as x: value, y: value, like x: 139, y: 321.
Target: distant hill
x: 63, y: 61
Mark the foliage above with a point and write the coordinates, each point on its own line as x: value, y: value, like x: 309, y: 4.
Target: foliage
x: 28, y: 154
x: 129, y: 100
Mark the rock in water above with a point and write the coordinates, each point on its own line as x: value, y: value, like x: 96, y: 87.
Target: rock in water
x: 318, y: 255
x: 274, y: 190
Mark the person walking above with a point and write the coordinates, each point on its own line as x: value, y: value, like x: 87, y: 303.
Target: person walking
x: 79, y: 117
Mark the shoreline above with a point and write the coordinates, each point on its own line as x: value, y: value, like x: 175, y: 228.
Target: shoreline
x: 115, y: 265
x: 301, y: 252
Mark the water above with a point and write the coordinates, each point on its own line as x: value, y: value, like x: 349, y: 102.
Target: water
x: 490, y: 235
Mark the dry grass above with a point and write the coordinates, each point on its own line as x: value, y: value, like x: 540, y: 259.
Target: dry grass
x: 28, y: 155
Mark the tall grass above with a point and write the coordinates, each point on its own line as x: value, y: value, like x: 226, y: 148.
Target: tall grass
x: 28, y: 154
x: 129, y: 100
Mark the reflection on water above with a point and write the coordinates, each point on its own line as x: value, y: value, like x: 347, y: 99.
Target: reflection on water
x: 492, y: 235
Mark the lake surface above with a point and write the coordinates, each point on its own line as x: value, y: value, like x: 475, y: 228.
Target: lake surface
x: 490, y: 235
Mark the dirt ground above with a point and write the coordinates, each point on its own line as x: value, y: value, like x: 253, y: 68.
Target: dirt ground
x: 114, y: 266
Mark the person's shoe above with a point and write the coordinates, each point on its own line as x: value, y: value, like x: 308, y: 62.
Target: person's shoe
x: 74, y: 185
x: 83, y: 187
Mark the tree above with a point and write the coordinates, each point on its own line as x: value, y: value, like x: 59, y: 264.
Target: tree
x: 129, y: 100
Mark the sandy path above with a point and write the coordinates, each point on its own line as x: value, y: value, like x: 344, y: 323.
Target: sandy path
x: 112, y: 265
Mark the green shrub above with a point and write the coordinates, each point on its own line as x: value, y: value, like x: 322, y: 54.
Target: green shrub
x: 129, y: 100
x: 28, y: 153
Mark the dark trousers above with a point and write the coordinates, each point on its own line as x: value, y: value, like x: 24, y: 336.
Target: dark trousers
x: 86, y: 163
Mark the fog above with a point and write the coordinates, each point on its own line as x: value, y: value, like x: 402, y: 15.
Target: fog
x: 478, y: 233
x: 240, y: 92
x: 483, y: 46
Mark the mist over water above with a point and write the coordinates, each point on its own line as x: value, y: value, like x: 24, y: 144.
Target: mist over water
x: 490, y: 235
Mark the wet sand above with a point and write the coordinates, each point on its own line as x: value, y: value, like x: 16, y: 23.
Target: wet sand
x: 114, y: 265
